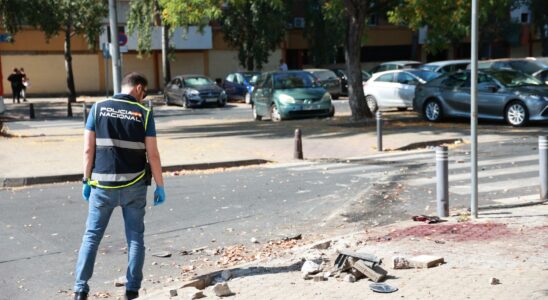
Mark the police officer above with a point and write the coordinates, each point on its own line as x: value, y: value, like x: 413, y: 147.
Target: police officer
x: 120, y: 155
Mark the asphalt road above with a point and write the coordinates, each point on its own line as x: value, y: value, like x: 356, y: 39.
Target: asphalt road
x: 41, y: 227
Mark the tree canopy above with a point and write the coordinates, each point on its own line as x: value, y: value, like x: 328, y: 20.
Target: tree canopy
x: 254, y: 27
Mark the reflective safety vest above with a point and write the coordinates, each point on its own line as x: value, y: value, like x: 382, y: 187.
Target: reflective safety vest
x: 120, y: 153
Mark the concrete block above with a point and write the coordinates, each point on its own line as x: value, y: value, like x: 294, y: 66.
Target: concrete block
x: 425, y: 261
x: 376, y: 273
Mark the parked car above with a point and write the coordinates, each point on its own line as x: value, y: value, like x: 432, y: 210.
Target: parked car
x: 502, y: 95
x: 446, y: 66
x: 536, y: 67
x: 341, y: 73
x: 329, y: 80
x: 194, y: 90
x: 289, y: 94
x: 394, y: 88
x: 239, y: 85
x: 395, y: 65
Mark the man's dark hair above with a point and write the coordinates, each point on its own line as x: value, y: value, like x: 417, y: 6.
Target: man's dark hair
x: 134, y: 79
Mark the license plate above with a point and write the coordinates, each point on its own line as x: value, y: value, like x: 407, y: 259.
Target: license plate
x: 311, y: 107
x: 210, y: 100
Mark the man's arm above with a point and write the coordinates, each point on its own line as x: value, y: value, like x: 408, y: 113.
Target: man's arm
x: 154, y: 159
x: 89, y: 152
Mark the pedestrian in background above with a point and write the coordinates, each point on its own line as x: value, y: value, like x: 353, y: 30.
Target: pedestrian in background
x: 16, y: 79
x: 119, y: 140
x: 283, y: 65
x: 26, y: 83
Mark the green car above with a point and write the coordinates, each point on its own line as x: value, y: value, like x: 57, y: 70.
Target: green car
x: 290, y: 94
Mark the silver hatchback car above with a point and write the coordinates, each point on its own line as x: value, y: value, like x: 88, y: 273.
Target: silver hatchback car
x: 502, y: 94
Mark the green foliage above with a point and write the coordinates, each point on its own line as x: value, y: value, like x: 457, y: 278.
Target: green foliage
x: 255, y: 28
x: 144, y: 14
x: 449, y: 21
x: 324, y: 30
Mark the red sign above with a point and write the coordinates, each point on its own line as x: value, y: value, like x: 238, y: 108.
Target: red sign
x: 122, y: 39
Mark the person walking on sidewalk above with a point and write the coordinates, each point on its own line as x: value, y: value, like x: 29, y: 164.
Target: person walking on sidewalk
x: 26, y: 83
x: 119, y: 139
x: 16, y: 79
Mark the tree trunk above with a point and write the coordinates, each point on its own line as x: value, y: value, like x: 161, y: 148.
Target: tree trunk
x: 166, y: 68
x: 68, y: 61
x: 355, y: 11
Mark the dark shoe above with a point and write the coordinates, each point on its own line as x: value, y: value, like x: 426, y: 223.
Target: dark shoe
x: 131, y: 295
x: 80, y: 296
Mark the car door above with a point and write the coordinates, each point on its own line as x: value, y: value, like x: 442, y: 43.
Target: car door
x: 490, y: 98
x: 261, y: 95
x: 174, y: 89
x: 383, y: 89
x: 229, y: 85
x: 404, y: 90
x: 241, y: 89
x: 455, y: 91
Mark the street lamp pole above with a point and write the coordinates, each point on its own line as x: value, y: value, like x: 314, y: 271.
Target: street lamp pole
x: 474, y: 111
x: 114, y: 47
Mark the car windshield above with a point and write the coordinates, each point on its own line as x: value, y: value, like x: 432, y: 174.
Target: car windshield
x: 526, y: 66
x: 197, y: 81
x: 430, y: 67
x: 324, y: 75
x: 293, y: 81
x: 425, y: 75
x: 514, y: 79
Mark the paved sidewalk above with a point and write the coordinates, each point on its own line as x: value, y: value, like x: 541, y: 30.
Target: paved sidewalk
x: 52, y: 144
x: 508, y: 244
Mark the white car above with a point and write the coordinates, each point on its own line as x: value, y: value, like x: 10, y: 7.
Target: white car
x: 394, y: 88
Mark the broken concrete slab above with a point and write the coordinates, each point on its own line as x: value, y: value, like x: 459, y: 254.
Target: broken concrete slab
x: 425, y: 261
x: 173, y: 293
x: 322, y: 246
x: 320, y: 277
x: 400, y: 262
x: 222, y: 290
x: 199, y: 282
x: 310, y: 267
x: 376, y: 273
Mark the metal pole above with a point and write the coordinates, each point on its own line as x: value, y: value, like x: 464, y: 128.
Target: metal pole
x: 543, y: 166
x: 31, y: 111
x: 150, y: 105
x: 298, y: 153
x: 474, y: 111
x: 379, y: 131
x: 114, y: 46
x: 69, y: 110
x: 442, y: 179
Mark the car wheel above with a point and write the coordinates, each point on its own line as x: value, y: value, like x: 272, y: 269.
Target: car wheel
x: 372, y: 103
x: 186, y: 104
x: 432, y: 111
x: 402, y: 108
x: 256, y: 116
x: 247, y: 98
x: 516, y: 114
x: 275, y: 115
x: 222, y: 102
x: 331, y: 111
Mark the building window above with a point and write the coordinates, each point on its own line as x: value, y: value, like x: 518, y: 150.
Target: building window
x: 373, y: 20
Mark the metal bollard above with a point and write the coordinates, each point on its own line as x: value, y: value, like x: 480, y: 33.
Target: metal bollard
x: 543, y: 166
x: 69, y: 110
x: 442, y: 178
x: 298, y: 154
x: 379, y: 131
x: 31, y: 111
x: 85, y: 113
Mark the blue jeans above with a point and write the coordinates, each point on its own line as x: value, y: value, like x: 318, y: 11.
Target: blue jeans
x: 102, y: 202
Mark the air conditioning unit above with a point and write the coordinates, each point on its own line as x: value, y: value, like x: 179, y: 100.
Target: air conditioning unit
x: 298, y: 23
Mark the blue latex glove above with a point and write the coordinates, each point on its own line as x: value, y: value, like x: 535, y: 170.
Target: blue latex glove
x: 86, y: 191
x: 159, y: 195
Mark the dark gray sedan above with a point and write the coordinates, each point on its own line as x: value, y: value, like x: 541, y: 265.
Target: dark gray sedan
x: 502, y: 94
x: 194, y: 90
